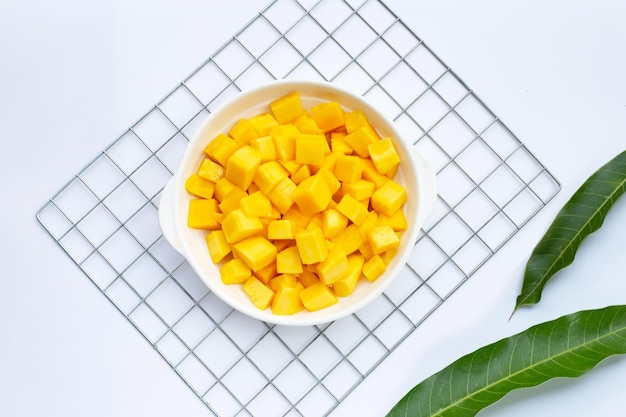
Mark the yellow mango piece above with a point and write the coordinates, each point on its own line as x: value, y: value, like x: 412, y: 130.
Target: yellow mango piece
x: 333, y: 183
x: 288, y: 261
x: 222, y: 188
x: 348, y: 168
x: 221, y: 148
x: 235, y: 271
x: 389, y: 198
x: 201, y: 214
x: 286, y: 108
x: 311, y: 245
x: 282, y: 195
x: 366, y: 251
x: 382, y: 239
x: 312, y: 195
x: 218, y: 246
x: 328, y: 115
x: 242, y: 166
x: 346, y: 285
x: 242, y: 132
x: 373, y: 268
x: 330, y: 159
x: 317, y: 297
x: 352, y: 209
x: 266, y: 274
x: 310, y: 149
x: 370, y: 174
x: 291, y: 166
x: 268, y: 175
x: 306, y: 124
x: 265, y: 146
x: 308, y: 278
x: 263, y: 123
x: 359, y: 190
x: 370, y: 221
x: 354, y: 120
x: 256, y: 252
x: 256, y: 205
x: 384, y: 156
x: 333, y: 222
x: 231, y: 201
x: 237, y: 226
x: 295, y: 215
x: 283, y: 281
x: 281, y: 229
x: 315, y: 221
x: 287, y: 301
x: 301, y: 174
x: 210, y: 171
x: 200, y: 187
x: 284, y: 141
x: 350, y: 239
x: 260, y: 295
x: 360, y: 139
x: 338, y: 143
x: 334, y: 267
x: 397, y: 221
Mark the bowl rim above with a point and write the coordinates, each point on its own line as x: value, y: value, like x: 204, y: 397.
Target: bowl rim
x: 172, y: 212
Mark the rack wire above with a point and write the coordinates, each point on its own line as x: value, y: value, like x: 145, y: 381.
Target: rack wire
x: 105, y: 219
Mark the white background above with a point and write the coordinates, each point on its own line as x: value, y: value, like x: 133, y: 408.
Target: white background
x: 76, y: 74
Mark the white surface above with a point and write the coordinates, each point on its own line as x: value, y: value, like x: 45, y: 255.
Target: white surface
x: 75, y: 74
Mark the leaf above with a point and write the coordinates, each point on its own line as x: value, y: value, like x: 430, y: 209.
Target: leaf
x: 566, y: 347
x: 582, y: 215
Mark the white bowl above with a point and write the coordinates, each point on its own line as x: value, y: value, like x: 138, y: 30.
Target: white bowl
x: 414, y: 174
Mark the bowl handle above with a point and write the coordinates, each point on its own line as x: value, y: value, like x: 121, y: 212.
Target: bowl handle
x: 166, y: 216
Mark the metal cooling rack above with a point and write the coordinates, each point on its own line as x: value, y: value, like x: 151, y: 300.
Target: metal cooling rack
x: 105, y: 218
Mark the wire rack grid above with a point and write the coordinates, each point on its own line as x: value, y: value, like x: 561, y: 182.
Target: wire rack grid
x: 105, y: 219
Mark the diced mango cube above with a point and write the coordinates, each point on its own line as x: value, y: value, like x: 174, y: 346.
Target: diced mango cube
x: 283, y: 281
x: 237, y: 226
x: 301, y: 174
x: 328, y: 115
x: 211, y: 171
x: 242, y: 132
x: 397, y: 221
x: 310, y: 148
x: 287, y: 301
x: 308, y: 278
x: 260, y: 295
x: 360, y: 139
x: 201, y: 214
x: 256, y: 205
x: 350, y: 239
x: 265, y: 146
x: 354, y: 120
x: 346, y: 285
x: 348, y: 168
x: 288, y: 261
x: 268, y: 175
x: 218, y: 246
x: 384, y: 156
x: 333, y: 183
x: 334, y: 267
x: 359, y: 190
x: 263, y: 123
x: 286, y: 108
x: 222, y: 188
x: 282, y: 195
x: 311, y: 245
x: 295, y: 215
x: 333, y: 222
x: 256, y: 251
x: 373, y: 268
x: 317, y: 297
x: 352, y: 209
x: 284, y: 141
x: 389, y: 198
x: 199, y: 186
x: 371, y: 174
x: 242, y: 166
x: 306, y: 124
x: 382, y: 239
x: 338, y: 144
x: 231, y: 201
x: 266, y: 274
x: 312, y: 195
x: 221, y: 148
x: 281, y: 229
x: 235, y: 271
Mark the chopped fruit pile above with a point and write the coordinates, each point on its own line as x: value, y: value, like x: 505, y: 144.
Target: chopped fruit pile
x: 299, y: 204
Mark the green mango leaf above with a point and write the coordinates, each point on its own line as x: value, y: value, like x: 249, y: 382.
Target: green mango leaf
x: 566, y: 347
x: 582, y: 215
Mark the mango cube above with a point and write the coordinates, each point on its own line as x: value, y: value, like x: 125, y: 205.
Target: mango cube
x: 221, y: 148
x: 218, y: 246
x: 199, y: 186
x: 237, y: 226
x: 235, y: 271
x: 263, y: 123
x: 288, y: 261
x: 350, y: 239
x: 361, y: 138
x: 222, y: 188
x: 389, y: 198
x: 382, y: 239
x: 242, y: 132
x: 354, y: 120
x: 256, y: 205
x: 346, y: 285
x: 210, y: 171
x: 328, y: 115
x: 311, y: 245
x: 231, y: 200
x: 308, y: 278
x: 286, y: 108
x: 287, y: 301
x: 306, y: 124
x: 266, y: 274
x: 281, y: 229
x: 282, y: 195
x: 310, y: 148
x: 348, y: 168
x: 284, y: 141
x: 397, y: 221
x: 256, y: 251
x: 268, y: 175
x: 338, y: 144
x: 265, y: 146
x: 359, y: 190
x: 334, y: 267
x: 352, y: 209
x: 312, y: 195
x: 333, y: 183
x: 317, y: 297
x: 373, y: 268
x: 201, y: 214
x: 242, y: 166
x: 260, y: 295
x: 333, y: 222
x: 384, y: 156
x: 301, y: 174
